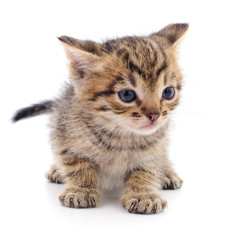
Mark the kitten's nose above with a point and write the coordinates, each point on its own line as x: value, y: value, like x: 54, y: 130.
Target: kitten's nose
x: 153, y: 116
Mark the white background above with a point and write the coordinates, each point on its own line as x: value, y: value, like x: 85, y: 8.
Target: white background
x: 33, y: 68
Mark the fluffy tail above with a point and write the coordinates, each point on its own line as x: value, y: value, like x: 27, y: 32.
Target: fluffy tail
x: 34, y: 110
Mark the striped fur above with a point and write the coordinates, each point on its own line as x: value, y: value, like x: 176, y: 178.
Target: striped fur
x: 103, y: 143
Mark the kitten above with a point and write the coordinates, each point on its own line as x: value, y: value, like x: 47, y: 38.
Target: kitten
x: 109, y: 126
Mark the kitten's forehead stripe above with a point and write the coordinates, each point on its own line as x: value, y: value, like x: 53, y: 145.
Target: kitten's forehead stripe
x: 134, y: 68
x: 126, y: 57
x: 165, y: 79
x: 118, y: 79
x: 164, y: 64
x: 121, y: 52
x: 108, y: 47
x: 132, y: 80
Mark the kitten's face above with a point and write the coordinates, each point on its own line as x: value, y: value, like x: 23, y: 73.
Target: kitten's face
x: 133, y: 83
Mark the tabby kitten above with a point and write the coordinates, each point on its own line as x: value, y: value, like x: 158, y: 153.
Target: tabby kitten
x: 109, y: 126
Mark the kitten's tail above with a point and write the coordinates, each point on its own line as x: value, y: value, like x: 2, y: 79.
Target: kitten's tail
x: 34, y: 110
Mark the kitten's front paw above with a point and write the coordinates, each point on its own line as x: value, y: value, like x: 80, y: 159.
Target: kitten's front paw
x: 171, y: 181
x: 144, y: 203
x: 54, y: 175
x: 79, y: 197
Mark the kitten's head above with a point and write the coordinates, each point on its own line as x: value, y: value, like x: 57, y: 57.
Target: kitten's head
x: 132, y: 82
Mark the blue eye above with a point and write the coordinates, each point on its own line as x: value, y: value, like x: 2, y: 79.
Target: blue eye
x: 127, y: 95
x: 168, y: 93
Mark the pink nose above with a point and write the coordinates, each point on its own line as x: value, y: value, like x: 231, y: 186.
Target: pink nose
x: 153, y: 116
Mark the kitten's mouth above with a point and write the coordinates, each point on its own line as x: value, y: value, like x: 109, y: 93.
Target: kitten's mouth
x: 149, y: 126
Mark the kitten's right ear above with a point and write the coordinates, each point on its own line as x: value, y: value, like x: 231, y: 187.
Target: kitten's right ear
x: 82, y: 56
x: 88, y: 46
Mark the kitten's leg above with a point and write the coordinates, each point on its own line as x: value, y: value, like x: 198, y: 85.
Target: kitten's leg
x: 81, y: 186
x: 170, y: 179
x: 140, y: 193
x: 55, y: 175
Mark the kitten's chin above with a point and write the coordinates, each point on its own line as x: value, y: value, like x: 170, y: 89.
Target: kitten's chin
x: 146, y: 130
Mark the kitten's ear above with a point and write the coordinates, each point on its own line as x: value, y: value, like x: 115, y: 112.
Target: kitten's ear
x: 173, y: 33
x: 88, y: 46
x: 82, y: 55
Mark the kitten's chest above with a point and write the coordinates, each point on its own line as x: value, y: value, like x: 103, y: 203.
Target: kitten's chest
x: 114, y: 168
x: 115, y: 157
x: 112, y: 171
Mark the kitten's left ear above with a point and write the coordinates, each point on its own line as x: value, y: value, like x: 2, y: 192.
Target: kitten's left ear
x: 172, y: 33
